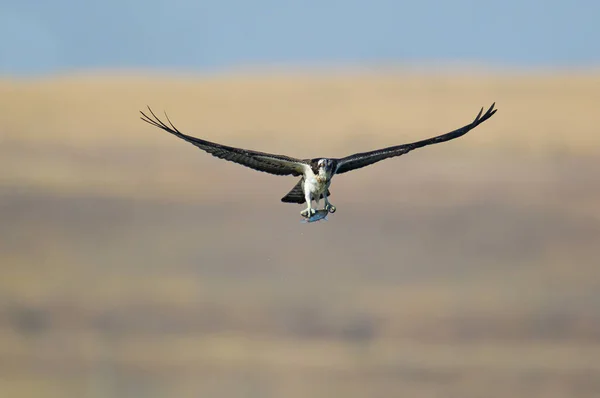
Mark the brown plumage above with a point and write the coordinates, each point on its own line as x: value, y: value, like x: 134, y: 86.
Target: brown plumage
x: 317, y: 172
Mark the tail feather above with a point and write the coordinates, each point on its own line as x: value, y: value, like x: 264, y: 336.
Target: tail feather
x: 296, y: 195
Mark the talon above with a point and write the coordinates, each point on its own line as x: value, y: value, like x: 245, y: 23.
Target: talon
x: 308, y: 212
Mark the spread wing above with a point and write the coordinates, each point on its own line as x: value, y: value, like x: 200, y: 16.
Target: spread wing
x: 363, y: 159
x: 265, y: 162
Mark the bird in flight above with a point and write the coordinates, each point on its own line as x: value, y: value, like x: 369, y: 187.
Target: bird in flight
x: 316, y: 173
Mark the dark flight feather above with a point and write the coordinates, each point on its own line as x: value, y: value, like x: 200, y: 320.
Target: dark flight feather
x: 363, y: 159
x: 261, y: 161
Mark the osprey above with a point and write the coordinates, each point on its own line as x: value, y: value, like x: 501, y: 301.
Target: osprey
x: 317, y: 172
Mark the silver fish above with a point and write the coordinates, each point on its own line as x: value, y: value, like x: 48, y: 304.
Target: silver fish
x: 319, y: 215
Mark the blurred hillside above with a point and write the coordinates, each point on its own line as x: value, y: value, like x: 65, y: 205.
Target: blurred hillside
x: 134, y: 264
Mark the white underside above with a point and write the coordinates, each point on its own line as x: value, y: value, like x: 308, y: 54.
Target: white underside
x: 314, y: 186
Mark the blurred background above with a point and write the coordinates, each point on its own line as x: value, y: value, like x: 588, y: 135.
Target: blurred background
x: 135, y: 265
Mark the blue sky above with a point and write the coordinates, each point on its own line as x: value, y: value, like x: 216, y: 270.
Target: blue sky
x: 58, y: 36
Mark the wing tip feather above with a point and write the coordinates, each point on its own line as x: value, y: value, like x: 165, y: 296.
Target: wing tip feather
x: 482, y: 118
x: 157, y: 122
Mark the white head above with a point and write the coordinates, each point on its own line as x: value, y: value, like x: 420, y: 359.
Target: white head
x: 325, y: 166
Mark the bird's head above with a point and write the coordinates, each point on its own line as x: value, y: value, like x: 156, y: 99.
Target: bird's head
x: 325, y: 166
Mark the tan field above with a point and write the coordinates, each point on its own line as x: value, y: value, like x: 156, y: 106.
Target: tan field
x: 135, y: 265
